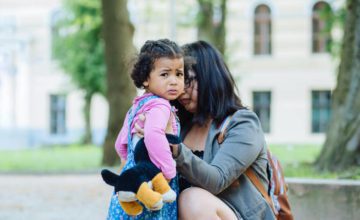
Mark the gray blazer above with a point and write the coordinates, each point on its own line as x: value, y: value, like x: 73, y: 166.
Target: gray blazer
x: 222, y: 165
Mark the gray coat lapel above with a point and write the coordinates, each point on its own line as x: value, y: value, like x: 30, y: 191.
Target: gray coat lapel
x: 210, y: 148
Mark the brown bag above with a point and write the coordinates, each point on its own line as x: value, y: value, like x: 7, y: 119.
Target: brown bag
x: 276, y: 196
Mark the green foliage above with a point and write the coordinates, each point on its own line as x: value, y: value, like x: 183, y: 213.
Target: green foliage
x: 289, y: 154
x: 335, y: 20
x: 51, y: 159
x: 297, y: 161
x: 78, y: 45
x: 338, y: 21
x: 187, y: 15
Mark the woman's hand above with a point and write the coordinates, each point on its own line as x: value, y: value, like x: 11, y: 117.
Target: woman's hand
x: 140, y: 131
x: 174, y: 150
x: 168, y: 130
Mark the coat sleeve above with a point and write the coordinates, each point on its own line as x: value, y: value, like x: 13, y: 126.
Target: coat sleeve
x: 242, y: 144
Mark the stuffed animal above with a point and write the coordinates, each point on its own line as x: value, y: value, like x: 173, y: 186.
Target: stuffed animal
x: 143, y: 182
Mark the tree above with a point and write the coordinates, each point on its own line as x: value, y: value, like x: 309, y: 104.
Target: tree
x: 118, y: 35
x: 80, y: 52
x: 211, y: 22
x: 342, y: 145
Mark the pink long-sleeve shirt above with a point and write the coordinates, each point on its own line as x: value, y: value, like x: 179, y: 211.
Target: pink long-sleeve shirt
x: 157, y: 112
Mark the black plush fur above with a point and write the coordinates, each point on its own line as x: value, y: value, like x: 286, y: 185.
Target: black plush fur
x: 143, y: 171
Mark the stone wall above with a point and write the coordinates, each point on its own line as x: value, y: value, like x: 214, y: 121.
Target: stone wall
x: 324, y: 199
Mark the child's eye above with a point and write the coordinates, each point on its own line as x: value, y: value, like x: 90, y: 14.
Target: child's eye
x: 179, y: 74
x: 164, y: 74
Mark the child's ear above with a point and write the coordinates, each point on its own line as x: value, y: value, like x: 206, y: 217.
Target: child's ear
x: 109, y: 177
x: 145, y: 84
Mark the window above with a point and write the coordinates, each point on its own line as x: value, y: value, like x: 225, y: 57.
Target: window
x: 262, y: 106
x: 321, y: 26
x: 262, y: 30
x: 57, y: 114
x: 321, y: 110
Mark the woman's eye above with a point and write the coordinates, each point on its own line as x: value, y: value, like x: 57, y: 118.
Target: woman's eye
x: 164, y: 74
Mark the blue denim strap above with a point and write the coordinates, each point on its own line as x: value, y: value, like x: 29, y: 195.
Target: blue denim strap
x: 132, y: 114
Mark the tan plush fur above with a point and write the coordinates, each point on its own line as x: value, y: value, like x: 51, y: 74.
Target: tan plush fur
x: 160, y: 184
x: 147, y: 196
x: 132, y: 208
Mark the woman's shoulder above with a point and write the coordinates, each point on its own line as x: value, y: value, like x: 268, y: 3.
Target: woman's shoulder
x: 244, y: 115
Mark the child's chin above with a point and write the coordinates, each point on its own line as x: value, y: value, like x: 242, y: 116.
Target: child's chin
x: 172, y: 97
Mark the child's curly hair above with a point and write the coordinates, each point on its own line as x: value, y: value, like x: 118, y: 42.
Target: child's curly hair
x: 150, y: 51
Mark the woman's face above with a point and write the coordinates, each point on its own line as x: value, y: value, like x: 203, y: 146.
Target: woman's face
x: 189, y: 98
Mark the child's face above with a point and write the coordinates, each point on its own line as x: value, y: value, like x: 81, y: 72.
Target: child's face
x: 166, y: 78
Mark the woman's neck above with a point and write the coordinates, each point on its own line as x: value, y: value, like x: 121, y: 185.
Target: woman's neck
x: 195, y: 139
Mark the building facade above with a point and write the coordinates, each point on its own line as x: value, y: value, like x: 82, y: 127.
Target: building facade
x: 279, y: 53
x: 38, y: 103
x: 276, y: 49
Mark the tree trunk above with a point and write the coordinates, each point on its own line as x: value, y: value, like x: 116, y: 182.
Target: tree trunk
x: 342, y: 145
x: 87, y: 139
x: 211, y: 23
x: 119, y: 49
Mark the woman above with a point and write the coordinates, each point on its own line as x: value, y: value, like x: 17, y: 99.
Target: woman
x: 220, y: 190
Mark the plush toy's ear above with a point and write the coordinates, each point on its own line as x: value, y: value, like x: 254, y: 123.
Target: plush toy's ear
x: 173, y: 139
x: 109, y: 177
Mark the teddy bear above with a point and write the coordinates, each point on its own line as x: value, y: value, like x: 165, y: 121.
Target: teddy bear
x: 143, y: 182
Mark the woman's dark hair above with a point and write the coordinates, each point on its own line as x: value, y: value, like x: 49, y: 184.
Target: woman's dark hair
x: 149, y: 53
x: 216, y: 86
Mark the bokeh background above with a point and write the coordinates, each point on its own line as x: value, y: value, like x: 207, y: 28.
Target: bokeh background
x: 65, y: 86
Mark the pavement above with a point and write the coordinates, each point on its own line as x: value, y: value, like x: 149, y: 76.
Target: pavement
x: 53, y: 197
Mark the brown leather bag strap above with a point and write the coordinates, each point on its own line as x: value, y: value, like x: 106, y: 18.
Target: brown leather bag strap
x: 274, y: 174
x: 249, y: 172
x: 255, y: 180
x: 223, y: 127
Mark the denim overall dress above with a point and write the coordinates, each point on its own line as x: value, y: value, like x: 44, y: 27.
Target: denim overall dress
x: 169, y: 210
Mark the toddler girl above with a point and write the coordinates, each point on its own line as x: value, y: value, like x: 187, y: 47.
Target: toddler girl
x: 159, y: 70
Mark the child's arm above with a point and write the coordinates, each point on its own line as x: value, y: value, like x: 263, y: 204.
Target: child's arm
x: 155, y: 140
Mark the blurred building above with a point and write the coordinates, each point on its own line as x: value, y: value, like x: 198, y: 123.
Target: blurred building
x: 279, y: 51
x: 38, y: 103
x: 276, y: 49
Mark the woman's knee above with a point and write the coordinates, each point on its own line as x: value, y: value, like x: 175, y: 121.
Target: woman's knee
x: 198, y: 203
x: 193, y: 203
x: 190, y: 198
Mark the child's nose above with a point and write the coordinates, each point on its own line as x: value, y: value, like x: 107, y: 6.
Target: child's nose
x: 173, y: 80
